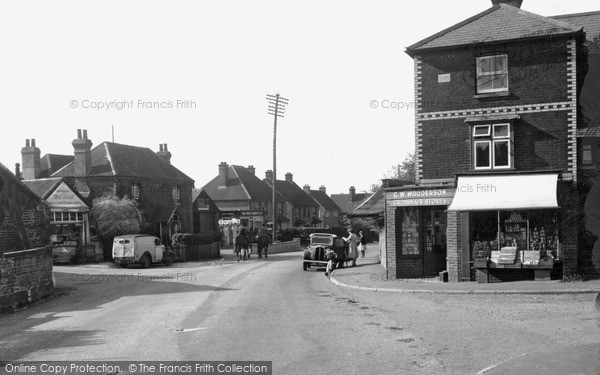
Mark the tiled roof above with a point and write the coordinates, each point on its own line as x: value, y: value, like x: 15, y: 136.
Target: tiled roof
x: 51, y: 163
x: 292, y: 193
x: 345, y: 202
x: 324, y: 200
x: 372, y: 206
x: 7, y: 175
x: 44, y: 186
x: 114, y: 159
x: 590, y: 22
x: 498, y: 23
x: 242, y: 185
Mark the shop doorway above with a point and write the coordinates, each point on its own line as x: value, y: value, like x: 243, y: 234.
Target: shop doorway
x: 434, y: 241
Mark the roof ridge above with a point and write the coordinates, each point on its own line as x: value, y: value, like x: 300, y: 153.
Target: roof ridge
x: 241, y: 181
x: 109, y: 158
x: 539, y: 17
x: 591, y: 13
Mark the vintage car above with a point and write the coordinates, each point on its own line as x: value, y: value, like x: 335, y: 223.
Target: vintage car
x: 314, y: 255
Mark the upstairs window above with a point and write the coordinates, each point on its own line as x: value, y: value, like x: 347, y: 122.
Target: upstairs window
x: 492, y: 146
x: 135, y: 191
x: 176, y: 194
x: 492, y: 74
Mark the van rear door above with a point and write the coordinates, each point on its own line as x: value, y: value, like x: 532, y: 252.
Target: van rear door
x: 122, y: 248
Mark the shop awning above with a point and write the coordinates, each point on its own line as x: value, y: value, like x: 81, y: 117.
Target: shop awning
x: 506, y: 192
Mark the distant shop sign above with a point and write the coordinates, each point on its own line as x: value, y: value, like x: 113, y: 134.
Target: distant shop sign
x: 411, y: 198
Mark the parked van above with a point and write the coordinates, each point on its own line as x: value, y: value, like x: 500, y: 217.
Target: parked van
x: 140, y: 248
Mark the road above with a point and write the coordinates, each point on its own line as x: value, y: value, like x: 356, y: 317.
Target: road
x: 256, y: 310
x: 271, y: 310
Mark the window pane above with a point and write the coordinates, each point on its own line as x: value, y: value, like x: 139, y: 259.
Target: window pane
x: 485, y: 83
x: 501, y: 131
x: 501, y: 154
x: 482, y: 154
x: 499, y: 81
x: 481, y: 131
x: 483, y: 65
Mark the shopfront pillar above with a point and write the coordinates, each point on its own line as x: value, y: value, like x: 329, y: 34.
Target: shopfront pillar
x: 454, y: 254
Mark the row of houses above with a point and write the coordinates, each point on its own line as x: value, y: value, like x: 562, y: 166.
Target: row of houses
x: 165, y: 196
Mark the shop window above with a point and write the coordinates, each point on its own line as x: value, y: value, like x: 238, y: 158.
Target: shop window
x: 492, y: 74
x: 525, y: 230
x: 409, y: 231
x: 492, y: 146
x: 135, y: 191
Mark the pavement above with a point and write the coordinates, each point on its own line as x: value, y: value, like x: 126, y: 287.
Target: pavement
x: 370, y: 275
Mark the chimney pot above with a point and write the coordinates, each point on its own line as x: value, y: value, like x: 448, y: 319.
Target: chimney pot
x: 323, y: 189
x: 30, y: 160
x: 269, y: 175
x: 223, y: 173
x: 32, y: 142
x: 27, y: 143
x: 252, y: 169
x: 164, y: 153
x: 78, y: 133
x: 18, y: 170
x: 289, y: 177
x: 514, y: 3
x: 306, y: 188
x: 84, y: 133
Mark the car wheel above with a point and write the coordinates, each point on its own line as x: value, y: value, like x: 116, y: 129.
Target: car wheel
x: 168, y: 259
x: 145, y: 261
x: 304, y: 266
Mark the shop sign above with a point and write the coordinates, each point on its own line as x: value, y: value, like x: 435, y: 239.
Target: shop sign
x: 64, y: 197
x: 411, y: 198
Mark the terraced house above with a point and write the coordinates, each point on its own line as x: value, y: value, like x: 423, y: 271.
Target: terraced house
x: 504, y: 104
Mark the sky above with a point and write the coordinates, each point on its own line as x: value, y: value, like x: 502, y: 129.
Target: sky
x: 195, y: 75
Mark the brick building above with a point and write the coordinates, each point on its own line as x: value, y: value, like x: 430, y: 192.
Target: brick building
x: 299, y: 209
x: 163, y: 193
x: 497, y: 110
x: 329, y: 214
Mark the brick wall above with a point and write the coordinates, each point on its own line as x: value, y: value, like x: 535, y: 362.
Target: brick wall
x: 390, y: 239
x: 25, y: 276
x: 531, y: 65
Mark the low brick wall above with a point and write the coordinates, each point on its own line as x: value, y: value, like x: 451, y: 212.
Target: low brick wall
x: 285, y: 247
x: 25, y: 276
x: 201, y: 252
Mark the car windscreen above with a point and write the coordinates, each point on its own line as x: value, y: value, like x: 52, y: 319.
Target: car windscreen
x: 320, y: 240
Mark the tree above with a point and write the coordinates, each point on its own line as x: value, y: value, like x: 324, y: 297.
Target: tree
x: 405, y: 170
x: 113, y: 216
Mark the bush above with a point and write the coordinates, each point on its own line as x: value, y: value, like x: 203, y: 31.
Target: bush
x: 288, y: 234
x: 189, y: 239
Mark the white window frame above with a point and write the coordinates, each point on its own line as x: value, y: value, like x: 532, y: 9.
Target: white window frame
x: 491, y: 141
x: 492, y: 73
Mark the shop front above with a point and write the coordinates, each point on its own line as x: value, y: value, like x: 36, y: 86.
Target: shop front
x: 509, y: 227
x: 70, y: 224
x: 416, y: 230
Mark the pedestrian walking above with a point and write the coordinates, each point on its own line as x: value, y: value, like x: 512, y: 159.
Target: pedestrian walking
x: 352, y: 240
x: 362, y: 245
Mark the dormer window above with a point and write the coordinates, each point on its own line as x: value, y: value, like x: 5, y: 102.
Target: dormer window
x: 492, y: 74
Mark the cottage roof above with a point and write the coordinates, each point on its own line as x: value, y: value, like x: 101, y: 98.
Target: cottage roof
x: 241, y: 185
x: 374, y: 205
x: 8, y: 176
x: 42, y: 187
x: 499, y: 23
x: 589, y: 21
x: 292, y: 193
x: 114, y: 159
x: 345, y: 202
x: 51, y: 163
x: 324, y: 200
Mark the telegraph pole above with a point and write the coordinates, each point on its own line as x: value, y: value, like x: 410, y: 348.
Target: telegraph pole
x: 277, y: 105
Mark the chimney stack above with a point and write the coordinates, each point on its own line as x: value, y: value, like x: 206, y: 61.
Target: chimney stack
x: 352, y: 193
x: 269, y: 175
x: 223, y: 173
x: 18, y: 171
x: 30, y: 159
x: 252, y: 170
x: 514, y: 3
x: 164, y: 153
x: 323, y: 189
x: 82, y: 154
x: 289, y: 177
x: 306, y: 188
